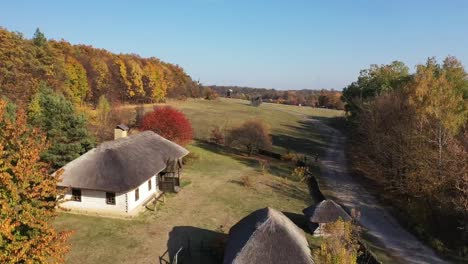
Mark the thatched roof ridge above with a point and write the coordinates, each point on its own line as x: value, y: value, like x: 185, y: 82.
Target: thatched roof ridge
x: 326, y: 211
x: 123, y: 164
x: 266, y: 236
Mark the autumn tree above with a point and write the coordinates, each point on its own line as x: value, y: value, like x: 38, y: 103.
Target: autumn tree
x: 169, y: 123
x: 28, y: 196
x: 253, y: 135
x: 84, y: 73
x: 65, y: 129
x: 411, y: 140
x: 371, y: 82
x: 76, y: 81
x: 103, y: 116
x: 340, y: 246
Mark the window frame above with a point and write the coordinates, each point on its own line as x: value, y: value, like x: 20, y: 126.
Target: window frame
x: 110, y: 198
x: 137, y: 194
x: 76, y: 195
x: 149, y: 185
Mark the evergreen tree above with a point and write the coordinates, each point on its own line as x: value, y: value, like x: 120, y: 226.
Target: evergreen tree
x: 65, y: 130
x: 39, y: 38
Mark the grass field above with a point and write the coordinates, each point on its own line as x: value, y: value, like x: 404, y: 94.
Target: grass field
x: 213, y: 197
x: 288, y: 124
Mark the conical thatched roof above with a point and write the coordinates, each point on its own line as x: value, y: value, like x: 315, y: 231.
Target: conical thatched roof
x: 266, y: 236
x: 123, y: 164
x: 325, y: 212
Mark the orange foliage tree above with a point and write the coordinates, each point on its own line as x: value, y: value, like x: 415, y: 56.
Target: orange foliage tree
x: 27, y: 196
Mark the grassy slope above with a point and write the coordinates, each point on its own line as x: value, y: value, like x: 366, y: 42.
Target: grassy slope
x: 214, y: 195
x: 289, y: 131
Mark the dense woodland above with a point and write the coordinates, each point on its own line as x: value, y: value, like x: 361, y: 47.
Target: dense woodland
x: 410, y: 137
x: 83, y: 73
x: 314, y: 98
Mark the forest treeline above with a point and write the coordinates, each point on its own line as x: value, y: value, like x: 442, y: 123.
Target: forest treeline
x: 306, y: 97
x: 410, y: 137
x: 83, y: 73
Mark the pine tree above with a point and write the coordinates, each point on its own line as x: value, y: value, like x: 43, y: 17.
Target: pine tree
x: 39, y: 38
x: 65, y: 129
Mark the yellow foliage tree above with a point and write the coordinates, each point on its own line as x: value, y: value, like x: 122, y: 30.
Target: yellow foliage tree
x: 340, y: 246
x: 28, y: 196
x: 76, y: 81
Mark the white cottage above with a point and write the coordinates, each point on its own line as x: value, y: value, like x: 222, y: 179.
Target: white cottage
x: 120, y: 176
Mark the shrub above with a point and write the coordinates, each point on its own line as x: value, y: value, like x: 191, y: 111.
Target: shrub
x: 264, y: 166
x: 299, y: 173
x: 216, y: 136
x: 247, y: 181
x: 209, y: 94
x: 169, y: 123
x: 289, y: 156
x: 253, y: 135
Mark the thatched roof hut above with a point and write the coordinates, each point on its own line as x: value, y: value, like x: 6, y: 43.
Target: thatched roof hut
x: 325, y: 212
x: 266, y: 236
x: 122, y: 164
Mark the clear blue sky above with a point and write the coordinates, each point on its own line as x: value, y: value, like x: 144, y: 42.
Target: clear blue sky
x: 277, y: 44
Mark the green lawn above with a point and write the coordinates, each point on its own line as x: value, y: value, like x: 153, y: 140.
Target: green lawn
x: 213, y: 197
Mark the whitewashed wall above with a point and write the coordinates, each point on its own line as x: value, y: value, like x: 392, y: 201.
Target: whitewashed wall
x: 95, y: 201
x: 144, y: 194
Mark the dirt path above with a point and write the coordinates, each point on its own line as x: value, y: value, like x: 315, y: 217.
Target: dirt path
x: 394, y: 242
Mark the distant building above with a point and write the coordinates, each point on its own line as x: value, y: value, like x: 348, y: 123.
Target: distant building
x: 327, y: 211
x: 120, y: 176
x: 229, y: 93
x: 256, y: 100
x: 266, y: 236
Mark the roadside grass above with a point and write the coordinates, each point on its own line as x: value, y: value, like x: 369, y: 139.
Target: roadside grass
x: 213, y: 197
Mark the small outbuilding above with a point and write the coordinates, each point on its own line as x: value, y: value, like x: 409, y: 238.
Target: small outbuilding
x: 327, y: 211
x: 266, y: 236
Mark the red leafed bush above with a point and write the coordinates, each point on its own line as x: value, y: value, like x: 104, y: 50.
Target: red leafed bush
x: 169, y: 123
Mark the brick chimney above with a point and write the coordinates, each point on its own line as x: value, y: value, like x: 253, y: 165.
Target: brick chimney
x: 120, y: 131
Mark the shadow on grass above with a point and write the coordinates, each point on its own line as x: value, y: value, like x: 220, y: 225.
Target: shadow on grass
x: 198, y: 245
x: 277, y: 168
x: 311, y: 138
x: 289, y: 190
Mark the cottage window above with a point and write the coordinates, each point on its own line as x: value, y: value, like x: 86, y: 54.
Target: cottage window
x: 110, y: 198
x: 149, y: 185
x: 76, y: 195
x: 137, y: 194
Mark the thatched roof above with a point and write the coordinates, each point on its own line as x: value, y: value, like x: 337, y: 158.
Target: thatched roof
x: 266, y: 236
x: 122, y: 164
x: 326, y: 211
